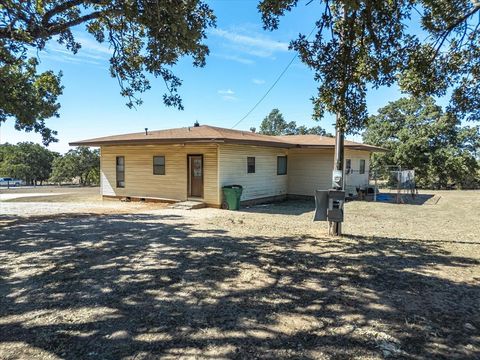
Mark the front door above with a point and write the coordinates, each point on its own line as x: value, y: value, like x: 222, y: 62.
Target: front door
x: 195, y: 177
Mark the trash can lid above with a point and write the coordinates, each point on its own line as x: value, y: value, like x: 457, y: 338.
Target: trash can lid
x: 232, y: 187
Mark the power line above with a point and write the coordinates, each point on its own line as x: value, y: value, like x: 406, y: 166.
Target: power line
x: 273, y: 85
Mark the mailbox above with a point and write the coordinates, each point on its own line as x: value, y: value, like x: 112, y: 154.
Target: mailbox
x: 329, y: 205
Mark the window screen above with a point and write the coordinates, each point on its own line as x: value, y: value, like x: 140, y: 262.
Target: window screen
x: 159, y: 165
x: 120, y: 170
x: 362, y: 166
x: 250, y: 165
x: 281, y: 165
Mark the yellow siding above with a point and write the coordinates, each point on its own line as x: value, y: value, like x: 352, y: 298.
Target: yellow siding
x: 309, y: 170
x: 264, y: 182
x: 139, y: 178
x: 224, y: 164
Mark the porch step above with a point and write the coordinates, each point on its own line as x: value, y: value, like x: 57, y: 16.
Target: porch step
x: 188, y: 205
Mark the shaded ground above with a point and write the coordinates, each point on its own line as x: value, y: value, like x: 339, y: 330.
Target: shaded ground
x: 261, y: 283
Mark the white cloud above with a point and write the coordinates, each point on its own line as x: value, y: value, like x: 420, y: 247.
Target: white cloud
x: 226, y: 92
x: 93, y: 46
x: 254, y: 44
x: 236, y: 58
x: 258, y: 81
x: 91, y: 52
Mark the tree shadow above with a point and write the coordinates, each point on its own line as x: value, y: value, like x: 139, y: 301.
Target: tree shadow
x: 148, y: 286
x: 286, y: 207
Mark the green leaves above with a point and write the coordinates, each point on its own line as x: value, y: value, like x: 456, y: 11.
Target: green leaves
x: 80, y: 163
x: 27, y: 161
x: 145, y: 37
x: 360, y: 44
x: 421, y: 136
x: 28, y: 97
x: 275, y: 124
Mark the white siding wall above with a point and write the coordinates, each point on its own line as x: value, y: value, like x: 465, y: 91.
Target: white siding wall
x: 264, y: 182
x: 355, y: 179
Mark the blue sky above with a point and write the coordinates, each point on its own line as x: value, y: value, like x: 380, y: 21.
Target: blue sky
x: 244, y: 61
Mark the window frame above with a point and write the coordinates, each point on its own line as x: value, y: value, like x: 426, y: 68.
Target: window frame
x: 154, y: 166
x: 361, y: 170
x: 249, y: 158
x: 278, y: 164
x: 118, y: 181
x: 348, y: 166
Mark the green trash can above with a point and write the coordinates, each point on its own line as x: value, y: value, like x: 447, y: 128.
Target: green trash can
x: 231, y: 197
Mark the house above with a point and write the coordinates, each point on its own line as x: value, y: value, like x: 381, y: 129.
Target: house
x: 195, y: 162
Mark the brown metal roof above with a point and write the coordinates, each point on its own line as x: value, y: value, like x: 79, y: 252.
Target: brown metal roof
x: 209, y: 134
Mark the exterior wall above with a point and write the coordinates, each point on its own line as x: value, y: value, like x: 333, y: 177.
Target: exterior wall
x: 355, y: 179
x: 139, y: 178
x: 311, y: 169
x: 224, y: 164
x: 264, y: 182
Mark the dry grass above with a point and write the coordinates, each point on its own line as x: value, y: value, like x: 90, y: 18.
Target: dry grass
x: 261, y: 283
x: 58, y: 194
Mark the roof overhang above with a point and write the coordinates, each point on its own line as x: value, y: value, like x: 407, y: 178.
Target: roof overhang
x: 179, y: 141
x: 136, y: 142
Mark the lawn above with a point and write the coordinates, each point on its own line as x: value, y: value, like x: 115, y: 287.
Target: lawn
x: 264, y: 282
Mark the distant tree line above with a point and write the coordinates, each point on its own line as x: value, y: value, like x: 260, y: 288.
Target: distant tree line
x: 36, y: 164
x: 275, y: 124
x: 421, y: 136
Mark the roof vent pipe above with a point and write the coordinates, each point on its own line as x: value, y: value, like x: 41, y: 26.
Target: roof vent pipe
x: 146, y: 131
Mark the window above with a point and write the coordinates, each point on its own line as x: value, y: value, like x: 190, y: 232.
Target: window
x: 250, y: 165
x: 281, y: 165
x: 120, y: 171
x: 159, y: 165
x: 362, y: 166
x: 348, y: 166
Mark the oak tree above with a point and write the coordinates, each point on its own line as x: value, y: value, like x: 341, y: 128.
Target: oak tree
x: 275, y: 124
x: 430, y: 47
x: 146, y: 37
x: 420, y: 135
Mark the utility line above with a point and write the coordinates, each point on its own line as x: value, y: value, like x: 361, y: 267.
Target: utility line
x: 273, y: 85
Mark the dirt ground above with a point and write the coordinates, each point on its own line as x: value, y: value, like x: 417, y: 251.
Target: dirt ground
x: 52, y: 194
x: 146, y: 282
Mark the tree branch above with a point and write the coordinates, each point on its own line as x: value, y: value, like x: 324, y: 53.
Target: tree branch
x: 68, y: 5
x: 449, y: 29
x: 56, y: 29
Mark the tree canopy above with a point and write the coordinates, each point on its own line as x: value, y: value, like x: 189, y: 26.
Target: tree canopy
x: 275, y: 124
x: 80, y: 163
x: 27, y: 161
x: 421, y: 136
x: 145, y: 37
x: 34, y: 164
x: 362, y: 44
